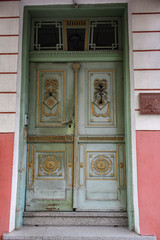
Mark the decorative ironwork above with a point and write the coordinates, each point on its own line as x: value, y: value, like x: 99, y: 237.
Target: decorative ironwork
x: 87, y: 34
x: 51, y: 97
x: 101, y: 99
x: 48, y: 35
x: 103, y: 35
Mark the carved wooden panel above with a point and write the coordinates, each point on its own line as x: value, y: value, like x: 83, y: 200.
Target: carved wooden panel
x: 50, y: 165
x: 101, y: 165
x: 100, y: 98
x: 50, y: 98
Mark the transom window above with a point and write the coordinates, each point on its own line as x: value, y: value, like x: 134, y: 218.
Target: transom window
x: 76, y: 35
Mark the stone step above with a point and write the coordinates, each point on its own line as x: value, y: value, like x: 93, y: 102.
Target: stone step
x: 75, y: 218
x: 74, y: 233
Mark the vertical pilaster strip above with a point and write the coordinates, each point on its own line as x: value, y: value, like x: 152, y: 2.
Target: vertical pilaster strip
x: 76, y: 67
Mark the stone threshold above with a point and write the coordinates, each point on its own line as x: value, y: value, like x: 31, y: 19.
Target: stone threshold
x: 74, y: 233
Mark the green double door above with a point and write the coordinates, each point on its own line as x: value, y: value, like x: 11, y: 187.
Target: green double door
x: 76, y: 158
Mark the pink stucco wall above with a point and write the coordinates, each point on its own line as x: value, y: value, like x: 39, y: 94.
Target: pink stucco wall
x: 6, y: 162
x: 148, y: 162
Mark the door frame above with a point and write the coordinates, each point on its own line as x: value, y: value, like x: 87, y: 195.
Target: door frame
x: 29, y: 12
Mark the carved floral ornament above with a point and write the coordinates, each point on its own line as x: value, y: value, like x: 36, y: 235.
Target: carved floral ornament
x: 101, y: 165
x: 101, y: 103
x: 50, y: 99
x: 50, y: 165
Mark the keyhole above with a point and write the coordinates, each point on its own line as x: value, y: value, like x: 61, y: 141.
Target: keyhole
x: 70, y: 125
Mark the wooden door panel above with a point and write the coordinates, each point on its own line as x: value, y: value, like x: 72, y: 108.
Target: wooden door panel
x: 49, y: 179
x: 101, y: 99
x: 92, y: 93
x: 51, y: 99
x: 101, y: 137
x: 102, y: 176
x: 50, y: 137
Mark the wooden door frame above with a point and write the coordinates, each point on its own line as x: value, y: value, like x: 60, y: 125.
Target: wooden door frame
x: 87, y: 10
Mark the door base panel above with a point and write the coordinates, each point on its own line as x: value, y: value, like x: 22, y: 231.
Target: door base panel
x: 75, y: 218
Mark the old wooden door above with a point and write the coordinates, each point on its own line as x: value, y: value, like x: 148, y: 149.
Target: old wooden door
x: 76, y: 138
x: 50, y: 137
x: 101, y: 166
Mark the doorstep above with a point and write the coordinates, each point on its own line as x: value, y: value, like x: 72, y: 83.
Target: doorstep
x: 74, y: 233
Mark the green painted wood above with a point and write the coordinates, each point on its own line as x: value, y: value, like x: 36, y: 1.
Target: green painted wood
x: 127, y: 121
x: 84, y: 10
x: 49, y: 172
x: 66, y: 56
x: 101, y: 180
x: 68, y: 11
x: 21, y: 182
x: 101, y: 183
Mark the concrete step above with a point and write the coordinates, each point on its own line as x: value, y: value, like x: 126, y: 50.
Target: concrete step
x: 75, y: 233
x: 75, y: 219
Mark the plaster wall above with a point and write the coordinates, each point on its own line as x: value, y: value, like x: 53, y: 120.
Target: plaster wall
x: 146, y: 67
x: 144, y: 37
x: 9, y: 28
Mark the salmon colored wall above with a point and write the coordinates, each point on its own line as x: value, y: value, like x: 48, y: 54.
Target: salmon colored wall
x: 148, y: 166
x: 6, y: 161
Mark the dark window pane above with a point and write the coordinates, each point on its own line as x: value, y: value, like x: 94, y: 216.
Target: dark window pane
x: 75, y: 39
x: 48, y: 36
x: 103, y: 35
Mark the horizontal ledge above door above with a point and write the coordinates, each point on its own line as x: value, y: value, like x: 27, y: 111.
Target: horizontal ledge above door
x: 51, y: 139
x: 58, y: 56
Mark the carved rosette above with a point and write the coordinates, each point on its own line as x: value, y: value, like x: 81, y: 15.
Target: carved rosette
x: 102, y: 165
x: 50, y: 165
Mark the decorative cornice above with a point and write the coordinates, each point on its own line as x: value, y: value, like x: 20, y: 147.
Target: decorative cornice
x: 67, y: 54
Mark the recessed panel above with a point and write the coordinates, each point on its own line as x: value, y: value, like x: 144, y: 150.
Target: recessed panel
x: 50, y: 98
x: 101, y: 165
x: 100, y: 98
x: 50, y: 165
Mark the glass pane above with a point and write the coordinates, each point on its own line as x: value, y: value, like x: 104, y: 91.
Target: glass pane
x: 75, y: 39
x: 48, y: 35
x: 103, y: 35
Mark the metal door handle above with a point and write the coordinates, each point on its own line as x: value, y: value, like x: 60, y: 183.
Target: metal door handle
x: 65, y: 122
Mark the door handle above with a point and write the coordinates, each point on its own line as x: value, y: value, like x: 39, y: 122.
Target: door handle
x: 66, y: 122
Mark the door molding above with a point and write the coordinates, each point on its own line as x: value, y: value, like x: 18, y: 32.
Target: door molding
x: 104, y: 9
x: 76, y: 67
